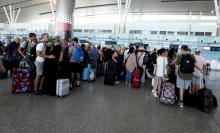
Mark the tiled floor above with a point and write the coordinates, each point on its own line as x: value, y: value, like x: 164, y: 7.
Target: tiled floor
x: 95, y: 108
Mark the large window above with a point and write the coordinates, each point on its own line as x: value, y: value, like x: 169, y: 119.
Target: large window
x: 170, y: 32
x: 199, y: 34
x: 134, y: 31
x: 163, y: 32
x: 77, y: 30
x: 208, y: 33
x: 89, y: 30
x: 182, y: 33
x: 106, y: 31
x: 153, y: 32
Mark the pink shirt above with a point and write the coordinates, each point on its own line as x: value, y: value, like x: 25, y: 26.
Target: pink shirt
x: 200, y: 61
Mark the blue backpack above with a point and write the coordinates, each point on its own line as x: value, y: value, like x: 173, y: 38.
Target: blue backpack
x: 146, y: 60
x: 79, y: 54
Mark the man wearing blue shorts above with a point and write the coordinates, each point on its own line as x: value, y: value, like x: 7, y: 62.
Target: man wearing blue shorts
x: 184, y: 70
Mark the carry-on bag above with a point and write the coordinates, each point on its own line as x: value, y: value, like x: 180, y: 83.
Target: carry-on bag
x: 62, y: 87
x: 86, y: 73
x: 136, y: 79
x: 207, y: 101
x: 92, y: 75
x: 168, y: 95
x: 21, y: 78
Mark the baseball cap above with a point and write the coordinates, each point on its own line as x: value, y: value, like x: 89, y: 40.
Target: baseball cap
x: 197, y: 50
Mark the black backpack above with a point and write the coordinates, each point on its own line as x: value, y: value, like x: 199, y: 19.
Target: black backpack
x: 33, y: 54
x: 146, y: 60
x: 187, y: 64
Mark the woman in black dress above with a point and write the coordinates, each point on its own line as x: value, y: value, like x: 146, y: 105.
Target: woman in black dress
x: 51, y: 69
x: 111, y: 73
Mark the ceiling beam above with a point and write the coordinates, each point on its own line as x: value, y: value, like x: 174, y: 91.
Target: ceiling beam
x: 15, y: 3
x: 186, y: 1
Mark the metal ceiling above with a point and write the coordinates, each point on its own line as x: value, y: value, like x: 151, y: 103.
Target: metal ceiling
x: 110, y: 6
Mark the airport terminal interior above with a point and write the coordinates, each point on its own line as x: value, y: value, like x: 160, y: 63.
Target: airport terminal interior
x: 109, y: 66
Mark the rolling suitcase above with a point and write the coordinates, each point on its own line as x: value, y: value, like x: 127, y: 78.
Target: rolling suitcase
x: 207, y: 101
x: 3, y: 75
x: 99, y: 70
x: 168, y: 93
x: 62, y: 87
x: 136, y: 79
x: 190, y: 100
x: 109, y: 78
x: 21, y: 78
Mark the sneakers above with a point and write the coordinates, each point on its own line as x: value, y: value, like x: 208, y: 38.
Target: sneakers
x: 78, y: 83
x: 154, y: 93
x: 181, y: 104
x: 117, y: 82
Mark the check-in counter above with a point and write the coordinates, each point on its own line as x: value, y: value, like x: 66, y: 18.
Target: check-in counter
x: 215, y: 65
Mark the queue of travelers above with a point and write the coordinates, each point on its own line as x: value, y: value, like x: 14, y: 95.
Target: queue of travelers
x: 50, y: 59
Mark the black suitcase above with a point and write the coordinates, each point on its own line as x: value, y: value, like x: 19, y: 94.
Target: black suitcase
x: 190, y: 100
x: 109, y: 78
x: 205, y: 100
x: 3, y: 75
x: 215, y: 103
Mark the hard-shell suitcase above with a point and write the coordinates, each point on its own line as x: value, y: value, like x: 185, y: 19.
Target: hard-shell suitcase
x: 136, y: 79
x: 168, y: 93
x: 62, y: 87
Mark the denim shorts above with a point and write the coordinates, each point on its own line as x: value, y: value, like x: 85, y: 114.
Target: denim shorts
x: 182, y: 84
x: 39, y: 67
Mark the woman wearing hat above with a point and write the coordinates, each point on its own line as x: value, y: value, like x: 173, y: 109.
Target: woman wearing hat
x: 140, y: 58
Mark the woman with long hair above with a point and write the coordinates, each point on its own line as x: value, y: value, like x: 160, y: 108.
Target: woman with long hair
x: 130, y: 64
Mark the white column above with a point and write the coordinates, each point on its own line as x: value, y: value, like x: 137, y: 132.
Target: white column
x: 218, y: 17
x: 64, y: 18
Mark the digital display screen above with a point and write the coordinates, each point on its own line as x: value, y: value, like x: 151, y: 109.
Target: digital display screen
x: 138, y: 44
x: 174, y: 46
x: 83, y: 41
x: 207, y: 48
x: 215, y: 48
x: 110, y: 42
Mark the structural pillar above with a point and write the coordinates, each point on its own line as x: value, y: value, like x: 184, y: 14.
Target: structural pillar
x: 216, y: 2
x: 64, y: 18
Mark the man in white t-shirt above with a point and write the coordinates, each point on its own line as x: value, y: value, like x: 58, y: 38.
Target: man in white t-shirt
x: 40, y: 50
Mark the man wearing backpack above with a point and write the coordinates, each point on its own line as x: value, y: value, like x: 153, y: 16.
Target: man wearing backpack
x: 27, y: 51
x: 184, y: 69
x: 26, y: 46
x: 76, y: 57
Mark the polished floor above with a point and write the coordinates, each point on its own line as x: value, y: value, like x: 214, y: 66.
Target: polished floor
x: 95, y: 108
